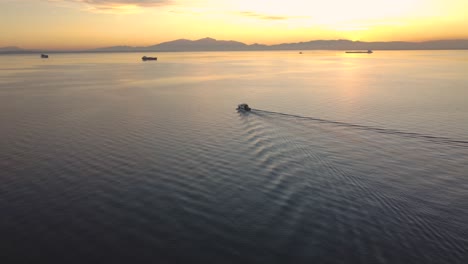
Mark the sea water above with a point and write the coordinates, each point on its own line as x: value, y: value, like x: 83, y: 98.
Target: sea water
x: 345, y: 158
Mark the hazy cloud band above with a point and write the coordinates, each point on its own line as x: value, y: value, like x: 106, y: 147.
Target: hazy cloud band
x: 116, y: 4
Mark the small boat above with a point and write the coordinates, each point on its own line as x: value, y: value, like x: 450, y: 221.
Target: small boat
x: 368, y: 51
x: 144, y: 58
x: 44, y: 56
x: 243, y: 107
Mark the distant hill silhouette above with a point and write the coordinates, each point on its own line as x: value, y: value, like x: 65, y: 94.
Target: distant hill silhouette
x: 10, y: 49
x: 200, y: 45
x: 210, y: 44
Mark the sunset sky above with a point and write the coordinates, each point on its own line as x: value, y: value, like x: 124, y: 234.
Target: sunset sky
x: 81, y: 24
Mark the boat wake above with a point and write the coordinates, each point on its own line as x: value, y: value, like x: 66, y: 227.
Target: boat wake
x: 436, y: 139
x: 323, y: 177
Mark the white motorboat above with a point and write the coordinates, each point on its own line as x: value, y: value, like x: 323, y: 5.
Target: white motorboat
x: 243, y: 107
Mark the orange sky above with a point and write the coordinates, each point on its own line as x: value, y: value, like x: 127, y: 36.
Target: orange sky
x: 81, y: 24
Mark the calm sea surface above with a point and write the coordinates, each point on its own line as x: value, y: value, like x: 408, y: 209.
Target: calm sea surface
x: 345, y: 158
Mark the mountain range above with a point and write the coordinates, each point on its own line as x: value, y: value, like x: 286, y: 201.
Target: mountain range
x: 210, y: 44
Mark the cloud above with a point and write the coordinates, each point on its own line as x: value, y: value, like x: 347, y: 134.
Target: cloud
x: 262, y: 16
x: 121, y: 6
x: 110, y: 3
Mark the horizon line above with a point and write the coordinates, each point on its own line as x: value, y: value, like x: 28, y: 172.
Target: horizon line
x: 19, y: 49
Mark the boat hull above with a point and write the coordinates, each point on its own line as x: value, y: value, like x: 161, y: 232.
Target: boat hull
x: 366, y: 52
x: 149, y: 58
